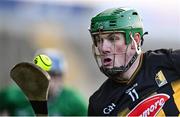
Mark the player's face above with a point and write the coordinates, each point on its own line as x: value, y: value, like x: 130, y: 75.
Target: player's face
x: 112, y: 49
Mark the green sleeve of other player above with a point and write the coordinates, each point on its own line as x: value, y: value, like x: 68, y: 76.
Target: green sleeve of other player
x: 68, y: 103
x: 12, y: 99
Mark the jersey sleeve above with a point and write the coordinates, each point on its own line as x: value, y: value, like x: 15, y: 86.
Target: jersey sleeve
x: 164, y: 58
x: 175, y: 59
x: 70, y: 103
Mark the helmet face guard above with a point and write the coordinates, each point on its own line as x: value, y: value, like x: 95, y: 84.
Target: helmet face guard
x: 99, y: 56
x: 116, y: 20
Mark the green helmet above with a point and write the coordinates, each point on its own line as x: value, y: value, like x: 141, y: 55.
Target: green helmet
x: 118, y: 20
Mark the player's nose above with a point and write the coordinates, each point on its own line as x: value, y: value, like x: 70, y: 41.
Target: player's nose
x: 106, y: 46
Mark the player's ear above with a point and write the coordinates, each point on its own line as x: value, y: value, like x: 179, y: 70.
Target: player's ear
x: 137, y: 38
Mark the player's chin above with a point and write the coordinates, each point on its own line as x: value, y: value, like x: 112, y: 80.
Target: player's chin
x: 107, y: 66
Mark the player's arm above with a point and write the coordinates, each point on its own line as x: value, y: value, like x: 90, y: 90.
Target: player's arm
x: 175, y: 59
x: 34, y: 82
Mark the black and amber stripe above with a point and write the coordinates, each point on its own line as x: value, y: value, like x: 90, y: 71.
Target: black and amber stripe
x: 172, y: 106
x: 176, y: 88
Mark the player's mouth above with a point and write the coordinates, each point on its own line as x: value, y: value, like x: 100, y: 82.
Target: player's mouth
x: 107, y: 62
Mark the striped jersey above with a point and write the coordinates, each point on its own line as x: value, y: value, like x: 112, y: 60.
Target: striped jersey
x: 153, y: 91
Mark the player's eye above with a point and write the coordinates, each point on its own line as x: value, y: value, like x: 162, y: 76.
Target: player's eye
x: 97, y: 39
x: 113, y: 38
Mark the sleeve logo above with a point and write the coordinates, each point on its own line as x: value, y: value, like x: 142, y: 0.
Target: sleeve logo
x: 149, y: 106
x: 160, y: 79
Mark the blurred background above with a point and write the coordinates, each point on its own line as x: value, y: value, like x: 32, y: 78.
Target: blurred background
x: 28, y: 25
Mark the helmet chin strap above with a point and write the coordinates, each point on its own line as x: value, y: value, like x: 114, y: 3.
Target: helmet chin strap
x: 111, y: 72
x: 137, y: 47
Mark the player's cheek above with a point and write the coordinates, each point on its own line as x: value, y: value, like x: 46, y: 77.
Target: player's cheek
x: 120, y: 48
